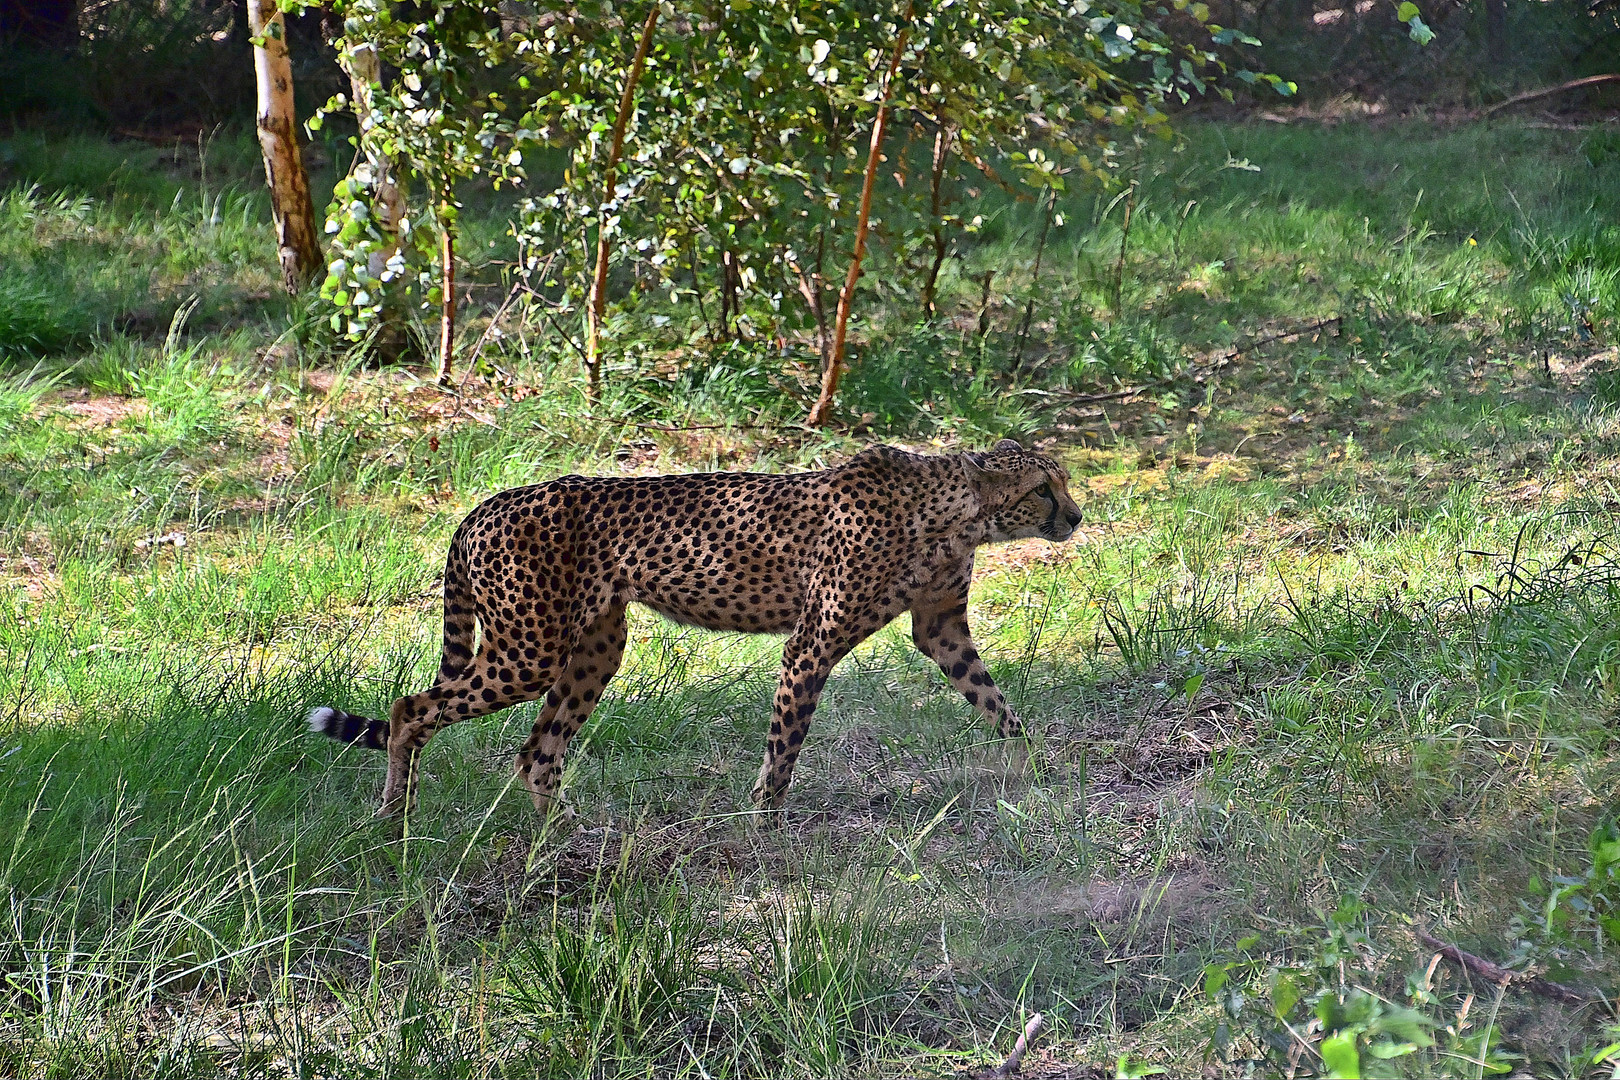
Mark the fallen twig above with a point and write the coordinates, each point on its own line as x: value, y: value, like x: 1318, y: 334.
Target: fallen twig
x: 1032, y: 1031
x: 688, y: 427
x: 1502, y: 976
x: 1088, y: 399
x: 1132, y: 391
x: 1320, y: 324
x: 1573, y: 84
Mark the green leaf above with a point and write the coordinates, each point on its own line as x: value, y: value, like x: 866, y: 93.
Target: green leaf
x: 1384, y: 1049
x: 1285, y: 993
x: 1407, y: 11
x: 1126, y: 1069
x: 1404, y: 1023
x: 1339, y: 1056
x: 1215, y: 977
x: 1190, y: 688
x: 1419, y: 32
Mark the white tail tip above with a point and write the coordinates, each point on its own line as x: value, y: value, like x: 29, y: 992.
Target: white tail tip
x: 320, y: 718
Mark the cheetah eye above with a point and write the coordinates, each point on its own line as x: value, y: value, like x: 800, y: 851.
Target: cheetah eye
x: 1045, y: 492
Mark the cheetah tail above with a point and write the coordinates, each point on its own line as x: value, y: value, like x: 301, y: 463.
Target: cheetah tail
x: 349, y: 728
x: 459, y: 621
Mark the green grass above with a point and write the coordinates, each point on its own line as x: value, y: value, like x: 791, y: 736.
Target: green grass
x: 1337, y: 658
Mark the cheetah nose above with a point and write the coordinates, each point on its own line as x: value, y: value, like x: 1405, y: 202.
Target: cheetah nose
x: 1074, y: 518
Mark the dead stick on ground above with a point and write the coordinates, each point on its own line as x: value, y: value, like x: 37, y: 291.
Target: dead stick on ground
x: 688, y: 427
x: 1500, y: 975
x: 1320, y: 324
x: 1573, y: 84
x: 1032, y: 1031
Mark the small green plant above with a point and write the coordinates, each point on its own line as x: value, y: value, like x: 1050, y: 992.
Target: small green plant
x: 1311, y: 1008
x: 1570, y: 910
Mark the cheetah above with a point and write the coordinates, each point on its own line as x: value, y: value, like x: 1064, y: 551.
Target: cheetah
x: 827, y: 558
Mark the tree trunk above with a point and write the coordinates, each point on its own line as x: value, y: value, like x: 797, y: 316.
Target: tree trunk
x: 1034, y: 282
x: 290, y: 205
x: 598, y: 298
x: 821, y: 411
x: 42, y: 24
x: 1496, y: 29
x: 811, y: 287
x: 447, y: 290
x: 942, y: 149
x: 359, y: 62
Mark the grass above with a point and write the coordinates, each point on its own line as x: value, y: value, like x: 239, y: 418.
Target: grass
x: 1335, y: 660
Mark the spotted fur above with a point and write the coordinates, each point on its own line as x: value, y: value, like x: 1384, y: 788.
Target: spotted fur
x: 826, y: 558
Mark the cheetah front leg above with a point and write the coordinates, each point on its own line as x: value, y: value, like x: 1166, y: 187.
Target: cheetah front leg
x: 807, y: 659
x: 940, y: 631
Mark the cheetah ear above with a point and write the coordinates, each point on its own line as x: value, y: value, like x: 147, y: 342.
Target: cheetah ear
x: 1008, y: 444
x: 981, y: 477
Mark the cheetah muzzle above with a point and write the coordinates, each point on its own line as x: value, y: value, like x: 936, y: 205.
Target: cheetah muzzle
x: 826, y: 558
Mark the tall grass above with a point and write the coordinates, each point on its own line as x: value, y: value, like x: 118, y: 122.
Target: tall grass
x: 1335, y: 655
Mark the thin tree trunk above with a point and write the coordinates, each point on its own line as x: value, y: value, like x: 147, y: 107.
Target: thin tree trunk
x: 42, y: 24
x: 810, y: 289
x: 942, y: 149
x: 728, y: 293
x: 447, y: 291
x: 359, y: 62
x: 821, y: 411
x: 1124, y: 243
x: 984, y: 303
x: 598, y: 298
x: 697, y: 290
x: 1496, y: 30
x: 376, y: 170
x: 290, y: 205
x: 1034, y: 284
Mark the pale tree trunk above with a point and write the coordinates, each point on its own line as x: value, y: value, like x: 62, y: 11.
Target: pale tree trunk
x: 290, y: 205
x: 936, y: 215
x: 1496, y: 43
x: 598, y: 299
x: 359, y: 62
x: 447, y: 291
x: 811, y: 288
x: 821, y: 411
x: 40, y: 24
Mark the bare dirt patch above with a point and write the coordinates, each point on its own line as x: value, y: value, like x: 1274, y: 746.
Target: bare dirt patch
x: 95, y: 411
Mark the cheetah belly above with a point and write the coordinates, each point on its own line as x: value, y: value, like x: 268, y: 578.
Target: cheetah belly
x: 755, y: 592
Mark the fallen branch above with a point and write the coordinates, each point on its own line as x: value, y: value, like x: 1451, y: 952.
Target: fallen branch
x: 1500, y: 975
x: 1320, y: 324
x: 1032, y: 1031
x: 1130, y: 391
x: 688, y: 427
x: 1573, y: 84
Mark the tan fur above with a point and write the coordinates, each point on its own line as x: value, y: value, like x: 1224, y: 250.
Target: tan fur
x: 825, y: 557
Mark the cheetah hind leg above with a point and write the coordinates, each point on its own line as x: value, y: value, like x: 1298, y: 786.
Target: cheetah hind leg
x: 486, y: 685
x: 594, y: 661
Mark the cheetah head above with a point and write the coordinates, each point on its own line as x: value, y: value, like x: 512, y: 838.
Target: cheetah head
x: 1022, y: 493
